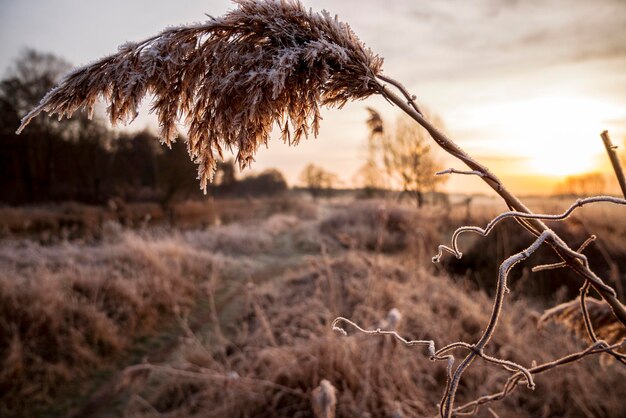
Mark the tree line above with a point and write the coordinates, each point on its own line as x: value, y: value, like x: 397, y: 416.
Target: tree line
x: 81, y: 159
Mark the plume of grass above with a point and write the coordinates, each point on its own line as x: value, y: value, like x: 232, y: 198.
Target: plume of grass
x: 230, y: 79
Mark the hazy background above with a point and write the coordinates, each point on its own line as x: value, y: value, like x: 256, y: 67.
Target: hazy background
x: 525, y: 86
x: 126, y: 292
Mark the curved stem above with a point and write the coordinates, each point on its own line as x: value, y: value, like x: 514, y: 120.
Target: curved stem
x: 447, y: 404
x: 510, y: 385
x: 535, y: 226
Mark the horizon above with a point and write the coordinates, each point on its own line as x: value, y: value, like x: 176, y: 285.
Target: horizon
x: 526, y: 88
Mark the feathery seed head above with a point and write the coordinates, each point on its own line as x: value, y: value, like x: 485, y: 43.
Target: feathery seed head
x: 230, y: 80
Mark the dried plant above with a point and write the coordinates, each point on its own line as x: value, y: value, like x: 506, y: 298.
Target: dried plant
x: 604, y: 323
x: 230, y: 79
x: 271, y: 62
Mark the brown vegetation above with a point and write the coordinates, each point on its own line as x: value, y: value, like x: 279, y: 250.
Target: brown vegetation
x: 257, y: 55
x: 71, y: 309
x: 275, y: 352
x: 67, y: 309
x: 269, y: 62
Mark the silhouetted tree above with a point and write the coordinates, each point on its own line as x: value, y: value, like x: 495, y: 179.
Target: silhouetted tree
x: 79, y: 159
x: 317, y: 180
x: 225, y: 176
x: 268, y: 183
x: 409, y: 159
x: 53, y: 159
x: 176, y: 175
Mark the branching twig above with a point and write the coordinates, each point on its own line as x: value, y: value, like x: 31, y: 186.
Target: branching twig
x: 562, y: 264
x: 485, y: 231
x: 464, y: 172
x: 501, y: 289
x: 535, y: 226
x: 471, y: 408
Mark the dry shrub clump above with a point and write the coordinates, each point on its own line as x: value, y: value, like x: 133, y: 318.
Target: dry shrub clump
x: 66, y: 309
x: 230, y: 79
x: 382, y: 226
x: 71, y: 220
x: 251, y: 210
x: 270, y: 360
x: 569, y: 314
x: 244, y: 239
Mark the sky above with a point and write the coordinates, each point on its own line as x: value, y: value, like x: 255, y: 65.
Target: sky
x: 524, y: 86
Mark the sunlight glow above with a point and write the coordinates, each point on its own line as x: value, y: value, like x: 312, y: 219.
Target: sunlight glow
x: 557, y: 136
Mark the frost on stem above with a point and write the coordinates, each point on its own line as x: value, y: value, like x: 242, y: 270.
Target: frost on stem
x: 469, y: 173
x: 230, y: 80
x: 472, y: 407
x: 454, y: 249
x: 562, y: 264
x: 446, y: 406
x: 464, y: 172
x: 563, y: 311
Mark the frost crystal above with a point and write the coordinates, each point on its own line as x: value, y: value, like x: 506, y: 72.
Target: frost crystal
x: 230, y: 80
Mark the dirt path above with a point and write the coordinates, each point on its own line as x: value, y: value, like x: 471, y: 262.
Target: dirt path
x: 109, y: 396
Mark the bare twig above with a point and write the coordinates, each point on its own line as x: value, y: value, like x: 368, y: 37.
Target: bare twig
x: 463, y: 172
x: 485, y: 231
x: 535, y: 226
x: 409, y: 343
x: 599, y: 347
x: 562, y: 264
x: 410, y: 98
x: 617, y: 167
x: 555, y: 239
x: 501, y: 289
x: 589, y: 325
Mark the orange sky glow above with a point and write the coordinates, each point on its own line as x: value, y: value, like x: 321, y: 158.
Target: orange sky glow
x: 524, y: 86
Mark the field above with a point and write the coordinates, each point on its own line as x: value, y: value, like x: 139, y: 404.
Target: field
x: 225, y: 309
x: 317, y: 291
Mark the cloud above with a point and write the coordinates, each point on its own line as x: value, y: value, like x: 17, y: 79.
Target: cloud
x: 462, y: 39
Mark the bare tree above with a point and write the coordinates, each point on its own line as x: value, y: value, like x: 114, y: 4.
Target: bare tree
x: 409, y: 160
x: 317, y: 180
x: 370, y: 176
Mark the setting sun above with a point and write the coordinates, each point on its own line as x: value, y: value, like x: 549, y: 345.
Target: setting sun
x: 561, y: 161
x: 557, y: 136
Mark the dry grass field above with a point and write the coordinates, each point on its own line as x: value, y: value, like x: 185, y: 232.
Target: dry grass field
x: 230, y: 315
x: 145, y: 300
